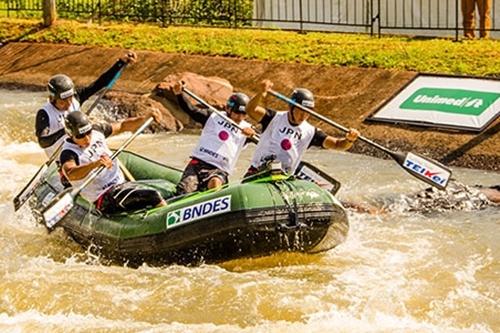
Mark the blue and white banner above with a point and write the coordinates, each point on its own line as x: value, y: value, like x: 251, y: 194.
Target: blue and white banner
x: 198, y: 211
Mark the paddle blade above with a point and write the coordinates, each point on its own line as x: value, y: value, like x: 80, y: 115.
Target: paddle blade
x: 57, y: 209
x: 28, y: 190
x: 307, y: 171
x: 431, y: 172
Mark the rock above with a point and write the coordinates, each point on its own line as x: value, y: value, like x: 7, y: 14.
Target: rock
x: 212, y: 89
x: 121, y: 105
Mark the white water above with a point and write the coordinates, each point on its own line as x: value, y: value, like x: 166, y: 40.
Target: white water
x: 397, y: 272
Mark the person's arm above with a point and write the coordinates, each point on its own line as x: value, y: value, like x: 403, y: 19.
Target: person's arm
x: 73, y: 171
x: 329, y: 142
x: 266, y: 119
x: 199, y: 115
x: 133, y: 123
x: 104, y: 128
x: 42, y: 126
x: 254, y: 110
x: 103, y: 80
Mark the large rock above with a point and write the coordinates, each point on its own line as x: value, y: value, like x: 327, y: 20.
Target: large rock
x: 124, y: 105
x: 213, y: 90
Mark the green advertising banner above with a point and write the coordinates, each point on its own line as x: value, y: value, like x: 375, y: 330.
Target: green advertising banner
x: 453, y: 102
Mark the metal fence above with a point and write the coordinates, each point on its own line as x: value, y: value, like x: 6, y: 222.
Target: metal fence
x: 413, y: 17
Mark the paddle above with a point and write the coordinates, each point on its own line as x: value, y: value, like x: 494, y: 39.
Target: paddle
x: 425, y: 169
x: 254, y: 138
x: 36, y: 180
x: 104, y: 90
x: 305, y: 171
x: 60, y: 206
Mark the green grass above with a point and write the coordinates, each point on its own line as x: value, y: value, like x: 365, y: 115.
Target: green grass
x: 477, y: 57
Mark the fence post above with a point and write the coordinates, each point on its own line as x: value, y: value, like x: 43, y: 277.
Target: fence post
x: 235, y: 17
x: 300, y: 13
x: 49, y: 12
x: 456, y: 20
x: 379, y: 21
x: 372, y: 18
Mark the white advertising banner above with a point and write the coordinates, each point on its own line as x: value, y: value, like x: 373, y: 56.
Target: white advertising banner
x: 444, y: 101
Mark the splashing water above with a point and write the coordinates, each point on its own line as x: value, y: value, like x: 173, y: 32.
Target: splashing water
x: 431, y: 264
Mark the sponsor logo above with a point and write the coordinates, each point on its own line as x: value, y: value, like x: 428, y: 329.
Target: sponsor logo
x: 85, y: 129
x: 437, y: 175
x: 308, y: 104
x: 199, y: 211
x: 458, y: 101
x: 67, y: 93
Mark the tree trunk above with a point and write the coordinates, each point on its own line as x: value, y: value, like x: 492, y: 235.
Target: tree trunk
x: 49, y: 12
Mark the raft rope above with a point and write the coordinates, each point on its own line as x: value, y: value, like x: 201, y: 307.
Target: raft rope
x: 292, y: 211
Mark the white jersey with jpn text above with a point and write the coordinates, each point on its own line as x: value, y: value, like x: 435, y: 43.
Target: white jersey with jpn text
x: 220, y: 143
x: 285, y: 141
x: 107, y: 177
x: 56, y: 122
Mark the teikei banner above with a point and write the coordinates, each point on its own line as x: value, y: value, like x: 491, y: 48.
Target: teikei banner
x: 444, y: 101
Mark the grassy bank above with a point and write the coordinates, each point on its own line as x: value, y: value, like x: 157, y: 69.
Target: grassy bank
x: 479, y: 57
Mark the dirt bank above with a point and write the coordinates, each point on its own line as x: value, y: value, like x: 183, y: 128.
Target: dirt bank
x: 346, y: 95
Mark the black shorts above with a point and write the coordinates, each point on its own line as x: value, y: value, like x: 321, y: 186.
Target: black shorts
x: 127, y: 197
x: 197, y: 175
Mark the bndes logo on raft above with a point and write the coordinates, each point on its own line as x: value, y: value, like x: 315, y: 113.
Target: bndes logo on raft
x: 199, y: 211
x: 458, y: 101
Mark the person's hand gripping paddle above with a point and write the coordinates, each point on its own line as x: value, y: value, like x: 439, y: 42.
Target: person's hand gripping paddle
x: 423, y: 168
x: 60, y: 206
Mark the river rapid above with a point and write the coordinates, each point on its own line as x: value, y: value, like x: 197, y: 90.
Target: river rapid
x: 400, y: 271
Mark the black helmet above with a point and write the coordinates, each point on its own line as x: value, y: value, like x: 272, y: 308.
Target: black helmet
x: 61, y: 86
x: 77, y: 124
x: 237, y: 102
x: 303, y: 97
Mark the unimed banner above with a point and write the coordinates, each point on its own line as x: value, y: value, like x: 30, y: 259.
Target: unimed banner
x: 442, y: 101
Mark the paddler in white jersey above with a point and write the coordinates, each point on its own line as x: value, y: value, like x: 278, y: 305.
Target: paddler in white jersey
x: 64, y: 98
x: 287, y: 135
x: 85, y: 149
x: 220, y: 144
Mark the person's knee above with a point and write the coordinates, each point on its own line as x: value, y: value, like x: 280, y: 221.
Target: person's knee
x: 215, y: 182
x: 187, y: 185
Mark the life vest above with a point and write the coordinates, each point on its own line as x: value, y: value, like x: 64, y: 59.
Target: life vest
x: 56, y: 122
x: 107, y: 178
x: 286, y: 142
x: 220, y: 143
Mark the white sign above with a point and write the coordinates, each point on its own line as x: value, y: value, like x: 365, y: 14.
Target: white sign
x: 450, y: 102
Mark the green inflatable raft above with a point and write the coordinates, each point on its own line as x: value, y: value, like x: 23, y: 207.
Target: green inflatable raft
x: 267, y: 213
